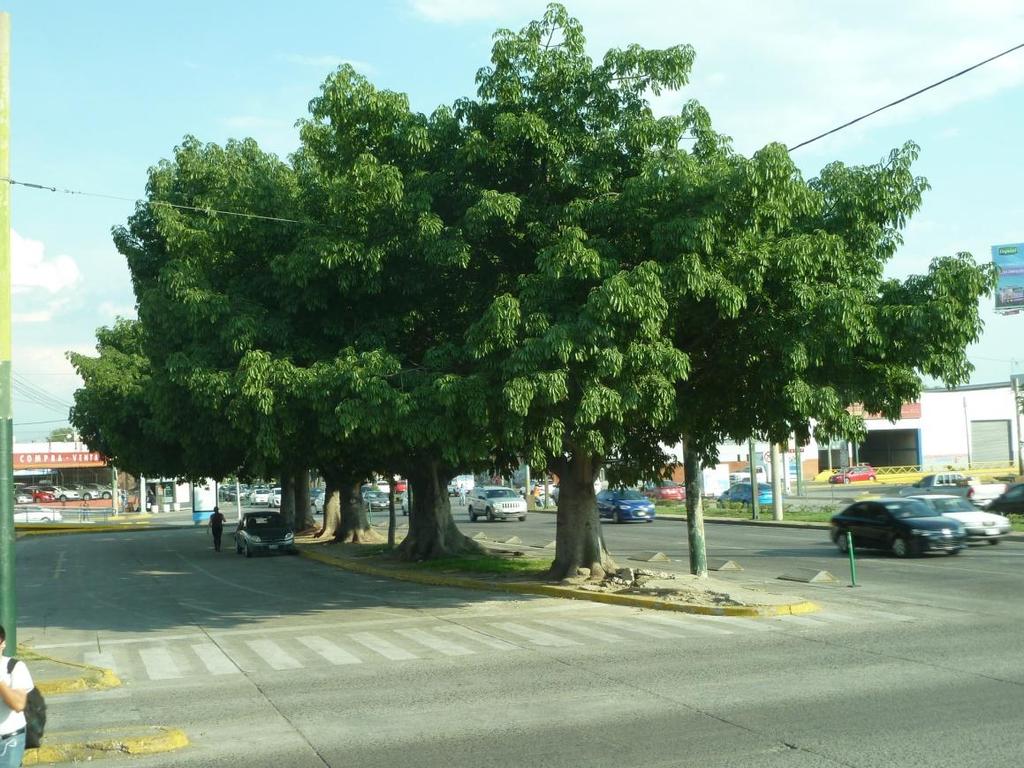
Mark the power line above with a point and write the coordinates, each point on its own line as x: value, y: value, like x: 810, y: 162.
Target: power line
x: 37, y: 423
x: 196, y: 208
x: 907, y: 97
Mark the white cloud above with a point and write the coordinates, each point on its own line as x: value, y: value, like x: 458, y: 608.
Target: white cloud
x: 31, y: 270
x: 110, y: 311
x: 791, y: 69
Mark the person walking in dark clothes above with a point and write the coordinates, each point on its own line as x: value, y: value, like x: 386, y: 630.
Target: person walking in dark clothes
x: 216, y: 527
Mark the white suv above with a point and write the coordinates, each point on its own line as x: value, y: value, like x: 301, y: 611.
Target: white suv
x: 496, y: 503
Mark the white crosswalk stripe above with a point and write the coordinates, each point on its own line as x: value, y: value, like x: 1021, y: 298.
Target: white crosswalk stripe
x: 103, y: 659
x: 273, y: 655
x: 329, y: 651
x: 535, y: 636
x: 385, y: 648
x: 159, y: 663
x: 214, y: 660
x: 705, y: 624
x: 478, y: 637
x: 581, y: 627
x: 640, y: 629
x: 435, y: 643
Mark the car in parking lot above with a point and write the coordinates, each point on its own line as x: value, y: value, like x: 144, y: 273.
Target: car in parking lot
x: 37, y: 515
x: 259, y: 495
x: 854, y: 474
x: 21, y: 496
x: 623, y: 505
x: 40, y: 494
x: 316, y: 500
x: 903, y: 526
x: 263, y: 532
x: 376, y: 501
x: 90, y: 491
x: 274, y: 499
x: 740, y: 493
x: 495, y: 502
x: 665, y: 490
x: 979, y: 524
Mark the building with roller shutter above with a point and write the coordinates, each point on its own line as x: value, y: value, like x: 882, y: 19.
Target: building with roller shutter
x: 975, y: 425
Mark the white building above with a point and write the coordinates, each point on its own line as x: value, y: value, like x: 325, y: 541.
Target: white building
x: 976, y: 425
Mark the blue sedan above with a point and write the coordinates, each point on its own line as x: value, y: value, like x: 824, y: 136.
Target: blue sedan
x: 624, y: 505
x: 740, y: 493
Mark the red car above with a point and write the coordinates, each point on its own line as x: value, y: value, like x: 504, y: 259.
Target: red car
x: 853, y: 474
x: 39, y: 495
x: 666, y: 490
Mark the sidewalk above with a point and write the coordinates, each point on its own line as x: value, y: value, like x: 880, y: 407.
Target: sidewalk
x: 56, y: 679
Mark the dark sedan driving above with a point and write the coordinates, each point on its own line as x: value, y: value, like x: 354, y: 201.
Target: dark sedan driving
x: 263, y: 532
x: 905, y: 527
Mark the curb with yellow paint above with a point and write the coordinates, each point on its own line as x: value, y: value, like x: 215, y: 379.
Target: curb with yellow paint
x: 552, y: 590
x: 86, y: 746
x: 43, y: 529
x: 91, y: 678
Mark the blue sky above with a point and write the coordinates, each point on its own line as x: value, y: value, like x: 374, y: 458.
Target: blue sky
x: 103, y: 90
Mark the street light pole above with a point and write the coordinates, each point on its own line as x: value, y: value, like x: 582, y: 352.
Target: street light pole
x: 755, y: 503
x: 8, y: 606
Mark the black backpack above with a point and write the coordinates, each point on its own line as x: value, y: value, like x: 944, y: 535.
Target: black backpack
x: 35, y: 713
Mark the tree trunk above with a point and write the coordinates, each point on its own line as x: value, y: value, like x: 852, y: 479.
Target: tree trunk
x: 432, y: 530
x: 579, y: 542
x: 332, y: 508
x: 303, y: 514
x: 695, y: 512
x: 355, y: 524
x: 288, y: 498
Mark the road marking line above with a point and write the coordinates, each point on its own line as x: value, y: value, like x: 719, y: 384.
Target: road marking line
x: 159, y: 664
x: 273, y: 654
x: 439, y: 644
x: 479, y: 637
x: 577, y: 626
x: 214, y: 659
x: 803, y: 621
x: 379, y: 645
x: 535, y: 636
x: 329, y: 650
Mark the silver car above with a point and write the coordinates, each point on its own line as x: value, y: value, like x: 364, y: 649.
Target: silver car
x: 496, y: 503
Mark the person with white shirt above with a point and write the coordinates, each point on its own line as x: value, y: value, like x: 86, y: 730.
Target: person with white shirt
x: 14, y: 688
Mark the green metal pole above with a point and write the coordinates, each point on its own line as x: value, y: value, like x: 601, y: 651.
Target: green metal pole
x: 755, y: 504
x: 853, y: 560
x: 8, y: 605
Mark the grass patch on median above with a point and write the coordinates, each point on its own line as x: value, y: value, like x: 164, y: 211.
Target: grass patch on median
x: 797, y: 514
x: 490, y: 564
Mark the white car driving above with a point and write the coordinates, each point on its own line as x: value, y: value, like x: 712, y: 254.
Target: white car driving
x: 496, y: 503
x: 979, y: 524
x: 37, y: 515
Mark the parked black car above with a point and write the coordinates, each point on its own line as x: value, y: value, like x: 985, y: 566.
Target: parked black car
x: 1011, y: 502
x: 903, y: 526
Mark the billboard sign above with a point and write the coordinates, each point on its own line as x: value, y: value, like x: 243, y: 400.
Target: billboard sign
x: 1009, y: 260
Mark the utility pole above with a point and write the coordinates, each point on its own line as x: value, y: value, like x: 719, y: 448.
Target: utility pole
x: 776, y: 482
x: 1016, y: 414
x: 799, y: 466
x: 755, y: 504
x: 8, y: 607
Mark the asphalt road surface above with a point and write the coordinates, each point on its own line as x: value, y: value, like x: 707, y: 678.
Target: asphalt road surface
x: 286, y: 662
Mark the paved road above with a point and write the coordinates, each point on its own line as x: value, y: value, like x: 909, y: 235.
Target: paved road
x: 282, y: 661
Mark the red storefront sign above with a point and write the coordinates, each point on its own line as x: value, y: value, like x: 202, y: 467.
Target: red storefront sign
x: 907, y: 411
x: 58, y: 459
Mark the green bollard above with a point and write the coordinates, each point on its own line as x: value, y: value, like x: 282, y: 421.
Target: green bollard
x: 853, y: 560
